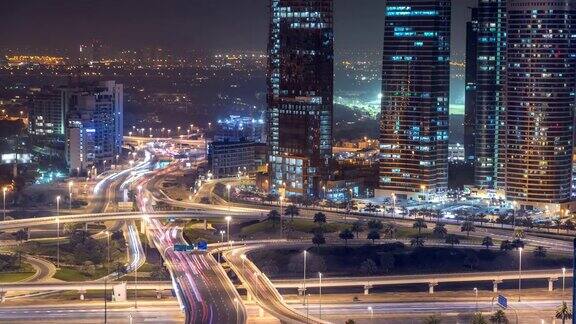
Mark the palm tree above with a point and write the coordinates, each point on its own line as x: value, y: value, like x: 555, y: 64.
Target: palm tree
x: 467, y: 227
x: 346, y: 235
x: 506, y: 245
x: 563, y: 312
x: 375, y: 225
x: 528, y: 222
x: 440, y: 230
x: 417, y: 241
x: 518, y: 243
x: 557, y: 223
x: 390, y: 230
x: 291, y: 210
x: 501, y: 220
x: 540, y: 252
x: 478, y: 318
x: 452, y: 239
x: 274, y: 217
x: 373, y: 235
x: 320, y: 218
x: 318, y: 239
x: 487, y: 242
x: 419, y: 223
x: 357, y: 227
x: 569, y: 225
x: 432, y: 319
x: 21, y: 235
x: 499, y: 317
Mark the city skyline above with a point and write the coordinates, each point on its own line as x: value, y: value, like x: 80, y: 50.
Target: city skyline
x: 287, y: 161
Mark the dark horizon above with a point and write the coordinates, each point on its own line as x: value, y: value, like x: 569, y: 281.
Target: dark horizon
x: 183, y: 25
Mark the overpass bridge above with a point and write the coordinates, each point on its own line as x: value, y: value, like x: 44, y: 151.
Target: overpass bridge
x: 83, y: 287
x: 431, y: 280
x: 100, y: 217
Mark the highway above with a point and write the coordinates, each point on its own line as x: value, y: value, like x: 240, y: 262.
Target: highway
x: 91, y: 314
x: 169, y: 312
x: 204, y: 291
x: 262, y: 290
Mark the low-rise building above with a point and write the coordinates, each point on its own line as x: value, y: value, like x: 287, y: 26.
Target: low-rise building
x: 230, y: 158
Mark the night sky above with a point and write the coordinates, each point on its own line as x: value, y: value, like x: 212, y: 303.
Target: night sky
x: 183, y: 24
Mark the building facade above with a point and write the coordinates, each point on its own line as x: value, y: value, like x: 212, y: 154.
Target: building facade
x: 232, y: 158
x: 540, y: 92
x: 415, y: 97
x: 47, y: 113
x: 490, y: 79
x: 95, y: 125
x: 470, y: 86
x: 300, y: 91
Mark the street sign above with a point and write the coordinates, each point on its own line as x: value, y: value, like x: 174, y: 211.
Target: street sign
x: 502, y: 301
x: 183, y: 248
x: 202, y: 245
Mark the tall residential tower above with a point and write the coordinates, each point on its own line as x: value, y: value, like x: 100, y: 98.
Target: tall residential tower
x: 415, y: 97
x: 300, y: 89
x: 540, y: 92
x: 95, y: 125
x: 470, y: 86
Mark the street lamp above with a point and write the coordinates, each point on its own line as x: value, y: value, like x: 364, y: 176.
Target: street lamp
x: 108, y: 251
x: 58, y: 242
x: 228, y: 186
x: 58, y: 205
x: 304, y: 283
x: 4, y: 200
x: 519, y: 274
x: 476, y: 296
x: 514, y: 206
x: 371, y: 310
x: 563, y: 281
x: 228, y: 219
x: 394, y: 207
x: 222, y: 235
x: 70, y: 184
x: 320, y: 289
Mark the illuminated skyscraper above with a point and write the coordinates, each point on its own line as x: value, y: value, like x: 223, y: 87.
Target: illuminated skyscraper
x: 491, y: 49
x: 470, y: 90
x: 415, y: 97
x: 300, y: 90
x: 540, y: 101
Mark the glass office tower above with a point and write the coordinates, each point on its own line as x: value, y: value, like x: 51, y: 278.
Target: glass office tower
x: 300, y: 89
x: 415, y: 97
x: 490, y: 78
